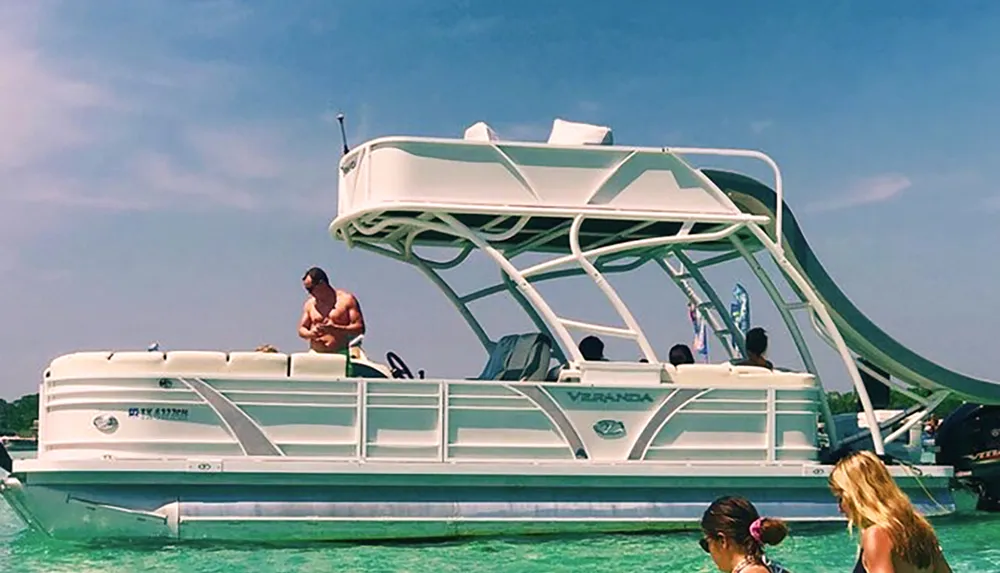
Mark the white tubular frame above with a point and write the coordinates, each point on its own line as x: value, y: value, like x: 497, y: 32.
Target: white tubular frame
x: 547, y: 320
x: 813, y: 302
x: 597, y: 258
x: 558, y: 325
x: 929, y: 403
x: 720, y: 322
x: 778, y: 186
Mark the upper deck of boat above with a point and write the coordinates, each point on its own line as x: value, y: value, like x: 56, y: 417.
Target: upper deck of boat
x: 521, y: 195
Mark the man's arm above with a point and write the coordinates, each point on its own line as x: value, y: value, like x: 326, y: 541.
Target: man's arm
x: 305, y: 324
x: 357, y: 319
x: 352, y: 308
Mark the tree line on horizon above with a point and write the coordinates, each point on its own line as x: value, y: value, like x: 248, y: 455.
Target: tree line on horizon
x: 17, y: 417
x: 848, y: 402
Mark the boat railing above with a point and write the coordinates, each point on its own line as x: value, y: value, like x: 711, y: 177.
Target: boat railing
x: 690, y: 414
x: 748, y: 153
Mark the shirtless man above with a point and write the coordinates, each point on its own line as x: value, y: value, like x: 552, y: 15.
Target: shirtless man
x: 331, y: 317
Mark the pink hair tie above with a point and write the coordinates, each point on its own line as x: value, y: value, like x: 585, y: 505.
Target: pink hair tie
x: 755, y: 528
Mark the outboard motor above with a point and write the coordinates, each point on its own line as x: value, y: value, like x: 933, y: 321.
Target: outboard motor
x: 877, y: 391
x: 969, y: 440
x: 6, y: 463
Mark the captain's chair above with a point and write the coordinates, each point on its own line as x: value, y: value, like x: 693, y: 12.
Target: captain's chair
x: 519, y: 357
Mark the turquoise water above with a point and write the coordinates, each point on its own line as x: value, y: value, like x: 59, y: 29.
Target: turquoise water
x: 971, y: 544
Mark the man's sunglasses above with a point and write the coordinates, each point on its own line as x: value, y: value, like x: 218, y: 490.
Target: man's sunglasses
x: 704, y: 544
x: 312, y: 287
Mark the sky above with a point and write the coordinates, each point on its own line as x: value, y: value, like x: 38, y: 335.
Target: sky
x: 168, y: 168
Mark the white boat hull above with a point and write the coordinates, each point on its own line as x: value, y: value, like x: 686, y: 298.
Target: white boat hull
x: 356, y: 502
x: 255, y: 447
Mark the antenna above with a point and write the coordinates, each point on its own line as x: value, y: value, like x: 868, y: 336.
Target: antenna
x: 343, y: 135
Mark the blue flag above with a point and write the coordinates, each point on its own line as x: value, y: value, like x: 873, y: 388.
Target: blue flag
x: 739, y: 309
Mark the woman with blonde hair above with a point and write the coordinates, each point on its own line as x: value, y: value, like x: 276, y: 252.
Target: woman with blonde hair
x: 894, y: 537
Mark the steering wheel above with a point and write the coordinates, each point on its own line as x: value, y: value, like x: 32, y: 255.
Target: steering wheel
x: 398, y: 368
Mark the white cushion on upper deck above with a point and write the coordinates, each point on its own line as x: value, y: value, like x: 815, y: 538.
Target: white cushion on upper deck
x: 574, y: 133
x: 316, y: 364
x: 480, y: 131
x: 195, y: 362
x: 261, y: 363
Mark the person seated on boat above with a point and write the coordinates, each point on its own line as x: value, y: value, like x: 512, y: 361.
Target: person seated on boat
x: 894, y: 535
x: 331, y: 317
x: 681, y: 354
x: 266, y: 348
x: 592, y: 348
x: 734, y: 534
x: 756, y: 343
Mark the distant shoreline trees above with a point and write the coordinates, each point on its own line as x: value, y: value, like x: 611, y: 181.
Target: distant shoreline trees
x: 18, y: 417
x: 847, y: 402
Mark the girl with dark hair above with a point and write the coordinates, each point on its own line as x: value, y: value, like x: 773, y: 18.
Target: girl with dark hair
x: 734, y: 534
x: 681, y: 354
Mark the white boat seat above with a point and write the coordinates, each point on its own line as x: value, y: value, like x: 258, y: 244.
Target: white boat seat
x: 708, y: 375
x: 669, y: 373
x: 258, y: 363
x: 319, y: 364
x: 194, y: 362
x: 519, y: 357
x: 136, y: 362
x: 78, y: 363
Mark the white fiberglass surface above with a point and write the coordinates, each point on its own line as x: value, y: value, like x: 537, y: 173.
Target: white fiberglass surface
x: 408, y: 171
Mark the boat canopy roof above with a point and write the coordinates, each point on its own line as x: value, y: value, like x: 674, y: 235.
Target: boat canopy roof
x: 526, y: 196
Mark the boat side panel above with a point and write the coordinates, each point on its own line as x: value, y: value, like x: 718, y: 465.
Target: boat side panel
x: 713, y: 412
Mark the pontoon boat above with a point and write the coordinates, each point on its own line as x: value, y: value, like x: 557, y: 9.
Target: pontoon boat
x: 285, y: 447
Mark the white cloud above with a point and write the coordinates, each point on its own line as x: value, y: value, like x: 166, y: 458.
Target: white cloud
x: 876, y: 189
x: 245, y: 152
x: 82, y: 134
x: 41, y: 110
x: 170, y: 183
x: 761, y: 125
